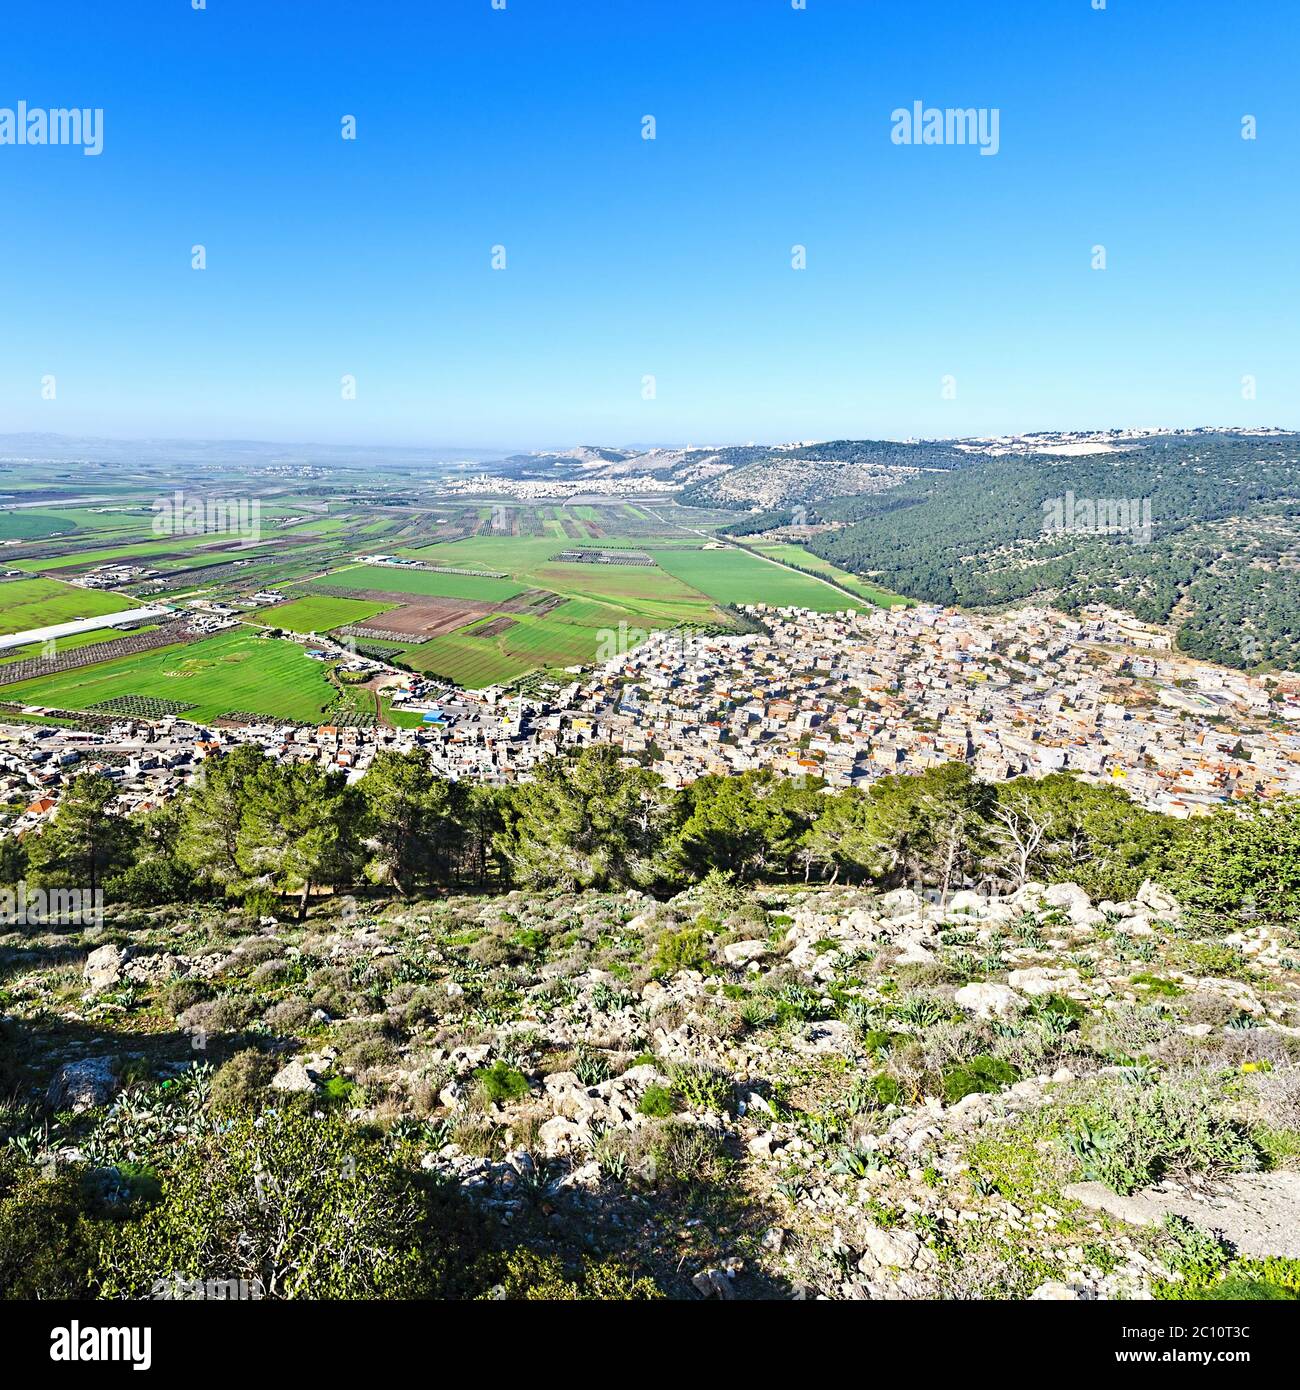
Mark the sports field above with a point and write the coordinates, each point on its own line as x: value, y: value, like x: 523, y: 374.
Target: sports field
x: 320, y: 613
x: 29, y: 603
x: 235, y: 670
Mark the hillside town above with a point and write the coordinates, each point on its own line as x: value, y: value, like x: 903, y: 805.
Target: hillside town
x: 845, y: 697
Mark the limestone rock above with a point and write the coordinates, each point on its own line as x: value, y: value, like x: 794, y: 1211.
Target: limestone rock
x: 294, y: 1077
x: 989, y: 1000
x: 889, y: 1249
x: 103, y: 967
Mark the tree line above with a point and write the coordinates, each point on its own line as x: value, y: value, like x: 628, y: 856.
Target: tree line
x: 252, y: 830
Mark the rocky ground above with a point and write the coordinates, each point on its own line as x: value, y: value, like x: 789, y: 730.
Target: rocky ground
x: 794, y: 1092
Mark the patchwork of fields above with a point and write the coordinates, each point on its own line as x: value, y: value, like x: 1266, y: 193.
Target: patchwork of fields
x: 526, y: 610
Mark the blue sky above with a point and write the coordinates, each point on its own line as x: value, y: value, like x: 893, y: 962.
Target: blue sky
x: 627, y: 257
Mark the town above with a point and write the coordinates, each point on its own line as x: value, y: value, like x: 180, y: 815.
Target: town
x: 843, y: 697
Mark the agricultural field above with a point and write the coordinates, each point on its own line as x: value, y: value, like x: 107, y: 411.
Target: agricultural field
x: 806, y: 560
x: 320, y: 614
x: 506, y: 646
x: 393, y: 580
x: 527, y: 612
x: 32, y: 650
x: 734, y: 576
x: 235, y: 670
x: 33, y: 523
x: 32, y: 603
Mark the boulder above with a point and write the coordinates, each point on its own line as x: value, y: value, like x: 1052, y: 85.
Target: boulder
x: 738, y: 952
x: 1054, y: 1291
x: 1158, y: 900
x: 989, y: 1000
x: 889, y: 1250
x: 1069, y: 896
x: 82, y: 1085
x: 294, y: 1077
x: 899, y: 902
x: 559, y: 1135
x: 1038, y: 979
x: 713, y: 1283
x: 103, y: 967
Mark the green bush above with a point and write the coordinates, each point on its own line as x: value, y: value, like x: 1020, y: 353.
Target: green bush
x: 298, y: 1206
x: 979, y: 1074
x: 657, y: 1101
x: 1213, y: 958
x: 241, y: 1084
x: 501, y: 1083
x: 1133, y: 1135
x: 701, y: 1089
x: 680, y: 950
x: 47, y: 1241
x: 541, y: 1278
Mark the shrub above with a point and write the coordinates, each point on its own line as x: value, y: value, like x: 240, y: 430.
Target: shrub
x: 1133, y: 1135
x: 657, y: 1101
x: 241, y: 1083
x: 1154, y: 984
x: 719, y: 895
x: 700, y: 1088
x: 47, y: 1242
x: 501, y: 1083
x: 1214, y: 959
x: 680, y: 950
x: 685, y: 1155
x: 979, y: 1074
x: 303, y: 1208
x: 542, y: 1278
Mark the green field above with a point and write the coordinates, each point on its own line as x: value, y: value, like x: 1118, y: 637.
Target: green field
x: 29, y: 603
x: 320, y: 614
x: 142, y: 552
x: 390, y: 579
x: 235, y: 670
x: 30, y: 523
x: 805, y: 559
x: 31, y: 650
x: 733, y: 576
x: 577, y: 632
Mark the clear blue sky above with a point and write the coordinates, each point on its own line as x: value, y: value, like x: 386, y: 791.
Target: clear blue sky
x: 628, y: 257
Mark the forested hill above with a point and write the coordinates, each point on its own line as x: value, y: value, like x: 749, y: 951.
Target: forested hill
x: 1220, y: 559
